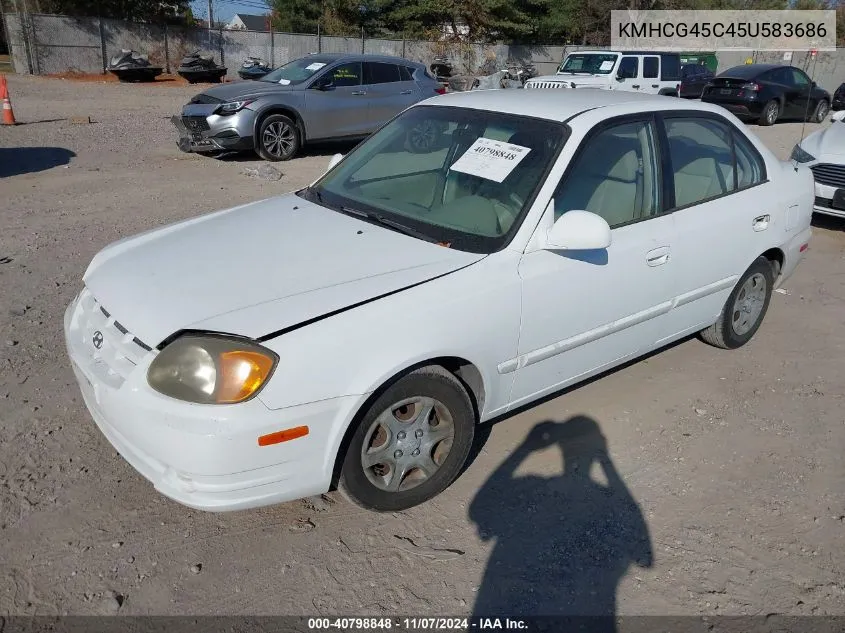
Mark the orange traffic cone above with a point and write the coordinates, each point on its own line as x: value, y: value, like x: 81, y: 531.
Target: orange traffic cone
x: 8, y: 113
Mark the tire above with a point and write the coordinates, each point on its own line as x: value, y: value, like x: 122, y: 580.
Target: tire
x: 441, y: 442
x: 278, y: 138
x: 770, y: 113
x: 821, y: 111
x: 738, y: 323
x: 423, y: 137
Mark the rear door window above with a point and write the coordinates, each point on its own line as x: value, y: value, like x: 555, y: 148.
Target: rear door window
x: 651, y: 67
x: 380, y: 73
x: 406, y: 73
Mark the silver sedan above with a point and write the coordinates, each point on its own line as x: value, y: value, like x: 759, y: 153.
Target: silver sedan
x: 316, y: 98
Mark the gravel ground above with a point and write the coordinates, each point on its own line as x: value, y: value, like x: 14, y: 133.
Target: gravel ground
x: 732, y: 460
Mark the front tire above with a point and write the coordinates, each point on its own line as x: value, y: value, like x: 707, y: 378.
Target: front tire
x: 278, y: 138
x: 410, y: 444
x: 745, y: 308
x: 770, y: 113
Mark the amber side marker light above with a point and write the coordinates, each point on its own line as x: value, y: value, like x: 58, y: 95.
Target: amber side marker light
x: 283, y: 436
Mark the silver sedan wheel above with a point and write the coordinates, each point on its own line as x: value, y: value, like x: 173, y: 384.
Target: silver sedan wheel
x: 748, y: 305
x: 278, y: 139
x: 407, y: 444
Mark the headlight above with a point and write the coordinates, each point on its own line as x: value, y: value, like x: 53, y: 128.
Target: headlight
x: 800, y: 155
x: 211, y: 369
x: 230, y: 107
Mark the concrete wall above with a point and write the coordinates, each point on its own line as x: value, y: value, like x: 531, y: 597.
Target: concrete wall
x: 49, y: 44
x: 46, y: 44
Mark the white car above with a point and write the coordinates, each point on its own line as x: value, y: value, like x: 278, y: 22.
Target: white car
x: 824, y: 153
x: 635, y: 71
x: 480, y: 251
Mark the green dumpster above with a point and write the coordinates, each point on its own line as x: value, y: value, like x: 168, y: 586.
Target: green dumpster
x: 706, y: 59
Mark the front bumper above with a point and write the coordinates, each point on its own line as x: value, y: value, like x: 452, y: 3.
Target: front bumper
x: 201, y: 130
x: 203, y: 456
x: 824, y: 200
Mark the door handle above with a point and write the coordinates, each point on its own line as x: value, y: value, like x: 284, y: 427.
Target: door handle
x: 658, y: 256
x: 637, y: 86
x: 406, y: 92
x: 761, y: 223
x: 359, y: 93
x: 655, y: 85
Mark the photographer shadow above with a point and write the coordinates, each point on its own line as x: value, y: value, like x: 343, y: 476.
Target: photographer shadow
x: 563, y: 542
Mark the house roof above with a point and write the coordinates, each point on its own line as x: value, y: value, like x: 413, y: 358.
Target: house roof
x: 252, y: 22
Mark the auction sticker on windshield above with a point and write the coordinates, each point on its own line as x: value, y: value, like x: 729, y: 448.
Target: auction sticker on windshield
x: 489, y: 159
x: 607, y: 65
x: 315, y: 66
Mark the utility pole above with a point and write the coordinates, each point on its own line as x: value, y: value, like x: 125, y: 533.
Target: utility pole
x: 210, y: 22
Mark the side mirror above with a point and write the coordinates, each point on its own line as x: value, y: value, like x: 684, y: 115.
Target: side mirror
x: 579, y: 231
x: 334, y: 161
x: 620, y: 77
x: 324, y: 83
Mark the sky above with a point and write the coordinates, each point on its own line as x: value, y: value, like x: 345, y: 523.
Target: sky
x: 225, y: 9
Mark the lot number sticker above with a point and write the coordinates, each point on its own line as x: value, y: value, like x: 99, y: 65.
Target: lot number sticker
x: 315, y: 66
x: 606, y: 65
x: 489, y: 159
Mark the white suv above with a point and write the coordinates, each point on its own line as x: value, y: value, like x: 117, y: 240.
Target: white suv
x: 634, y: 71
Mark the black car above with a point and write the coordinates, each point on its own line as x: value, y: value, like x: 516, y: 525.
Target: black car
x: 693, y: 79
x: 838, y: 102
x: 768, y: 92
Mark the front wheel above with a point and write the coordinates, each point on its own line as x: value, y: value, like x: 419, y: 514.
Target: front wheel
x: 745, y: 308
x: 278, y: 138
x: 770, y: 113
x: 410, y: 444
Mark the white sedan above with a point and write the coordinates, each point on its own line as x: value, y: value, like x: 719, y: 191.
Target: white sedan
x: 480, y: 251
x: 824, y: 153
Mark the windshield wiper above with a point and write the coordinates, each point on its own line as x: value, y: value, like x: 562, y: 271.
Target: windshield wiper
x: 391, y: 224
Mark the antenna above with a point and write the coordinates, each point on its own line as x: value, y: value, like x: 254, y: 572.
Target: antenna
x: 807, y: 108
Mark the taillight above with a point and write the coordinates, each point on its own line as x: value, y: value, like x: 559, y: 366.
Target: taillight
x: 441, y: 90
x: 751, y: 86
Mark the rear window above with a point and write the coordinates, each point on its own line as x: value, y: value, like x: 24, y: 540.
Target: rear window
x: 651, y: 66
x: 670, y: 67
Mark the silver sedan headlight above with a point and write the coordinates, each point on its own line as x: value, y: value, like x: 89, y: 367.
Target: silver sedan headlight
x: 230, y: 107
x: 799, y: 155
x: 208, y: 369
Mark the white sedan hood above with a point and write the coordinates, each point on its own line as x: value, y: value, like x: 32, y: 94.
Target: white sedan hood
x: 827, y: 142
x: 257, y: 269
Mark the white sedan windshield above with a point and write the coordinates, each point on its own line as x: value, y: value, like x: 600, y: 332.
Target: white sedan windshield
x: 455, y: 175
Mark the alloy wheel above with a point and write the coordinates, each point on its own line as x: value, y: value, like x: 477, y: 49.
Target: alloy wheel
x: 748, y: 304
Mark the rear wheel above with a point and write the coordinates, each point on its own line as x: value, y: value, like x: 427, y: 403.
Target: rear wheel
x: 770, y: 113
x: 745, y: 308
x: 820, y: 113
x: 410, y: 444
x: 278, y: 138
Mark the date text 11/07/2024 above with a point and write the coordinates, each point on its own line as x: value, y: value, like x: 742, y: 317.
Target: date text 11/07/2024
x: 410, y: 625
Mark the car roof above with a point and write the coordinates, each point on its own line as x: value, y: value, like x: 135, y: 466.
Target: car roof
x: 609, y: 52
x: 558, y: 104
x: 336, y: 57
x: 748, y: 71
